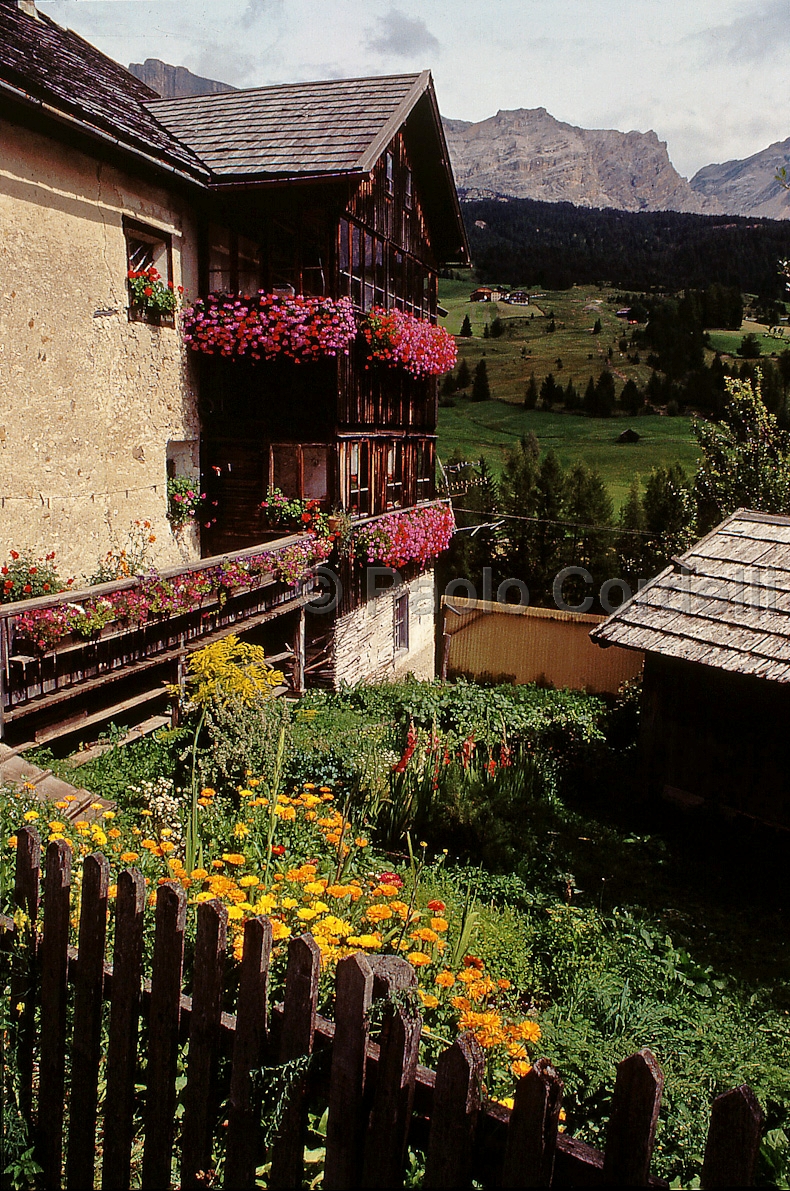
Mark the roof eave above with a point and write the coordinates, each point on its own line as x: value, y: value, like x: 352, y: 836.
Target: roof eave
x: 272, y: 181
x: 17, y: 95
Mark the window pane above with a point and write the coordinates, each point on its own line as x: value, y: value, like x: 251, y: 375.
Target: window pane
x: 285, y: 468
x: 356, y: 265
x: 343, y: 258
x: 249, y: 266
x: 402, y: 621
x: 315, y: 462
x: 218, y: 259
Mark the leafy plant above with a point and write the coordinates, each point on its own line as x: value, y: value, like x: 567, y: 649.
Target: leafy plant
x: 149, y: 293
x: 25, y: 576
x: 184, y: 500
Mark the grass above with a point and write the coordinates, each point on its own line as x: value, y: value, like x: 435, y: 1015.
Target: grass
x: 728, y: 342
x: 490, y: 428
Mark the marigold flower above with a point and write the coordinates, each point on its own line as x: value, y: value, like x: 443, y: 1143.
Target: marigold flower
x: 445, y: 980
x: 366, y: 942
x: 248, y: 880
x: 428, y: 999
x: 378, y: 913
x: 234, y: 858
x: 12, y: 841
x: 30, y: 816
x: 437, y: 906
x: 461, y: 1003
x: 279, y: 931
x: 418, y: 959
x: 130, y: 857
x: 439, y: 924
x: 520, y: 1068
x: 198, y: 874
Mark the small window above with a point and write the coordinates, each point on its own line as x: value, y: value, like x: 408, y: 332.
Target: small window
x: 389, y: 173
x: 394, y: 476
x: 423, y: 472
x: 408, y: 193
x: 401, y: 625
x: 219, y: 259
x: 147, y: 248
x: 358, y: 478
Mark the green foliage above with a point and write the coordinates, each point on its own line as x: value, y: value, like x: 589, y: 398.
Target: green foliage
x: 746, y: 459
x: 480, y: 388
x: 466, y: 328
x: 25, y: 576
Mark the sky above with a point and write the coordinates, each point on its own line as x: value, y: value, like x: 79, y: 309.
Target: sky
x: 708, y: 76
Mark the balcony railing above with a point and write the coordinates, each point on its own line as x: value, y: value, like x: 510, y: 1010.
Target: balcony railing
x: 128, y: 662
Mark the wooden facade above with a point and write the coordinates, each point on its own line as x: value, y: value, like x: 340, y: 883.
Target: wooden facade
x: 350, y: 433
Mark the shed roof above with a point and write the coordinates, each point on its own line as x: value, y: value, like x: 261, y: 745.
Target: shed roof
x: 59, y: 74
x: 725, y: 603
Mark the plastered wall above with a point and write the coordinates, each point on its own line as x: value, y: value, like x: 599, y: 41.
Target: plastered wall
x: 365, y: 640
x: 88, y: 400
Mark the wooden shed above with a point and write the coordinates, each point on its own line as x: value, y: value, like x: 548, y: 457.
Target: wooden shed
x: 715, y: 631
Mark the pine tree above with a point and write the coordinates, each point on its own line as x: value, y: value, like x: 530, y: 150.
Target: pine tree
x: 466, y: 328
x: 572, y: 399
x: 531, y: 395
x: 589, y: 505
x: 486, y: 331
x: 518, y: 497
x: 497, y: 327
x: 464, y: 376
x: 448, y: 385
x: 604, y: 395
x: 631, y: 398
x: 481, y: 390
x: 550, y: 391
x: 631, y: 545
x: 588, y: 400
x: 596, y: 327
x: 549, y: 537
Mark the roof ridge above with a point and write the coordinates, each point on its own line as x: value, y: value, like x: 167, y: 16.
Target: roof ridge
x: 411, y: 76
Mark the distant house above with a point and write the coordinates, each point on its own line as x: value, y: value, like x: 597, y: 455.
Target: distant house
x: 483, y: 294
x: 628, y: 435
x: 624, y: 313
x: 715, y: 630
x: 518, y: 297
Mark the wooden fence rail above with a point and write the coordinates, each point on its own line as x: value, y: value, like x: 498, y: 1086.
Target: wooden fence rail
x: 379, y: 1099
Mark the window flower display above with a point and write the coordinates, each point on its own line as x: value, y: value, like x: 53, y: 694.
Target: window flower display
x: 401, y: 340
x: 266, y: 326
x: 149, y: 294
x: 414, y: 535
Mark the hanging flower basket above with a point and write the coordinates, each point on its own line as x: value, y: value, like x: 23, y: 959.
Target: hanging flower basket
x: 415, y: 535
x: 402, y: 341
x: 269, y: 326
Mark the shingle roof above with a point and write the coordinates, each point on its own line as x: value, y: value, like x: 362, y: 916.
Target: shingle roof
x: 726, y: 606
x: 58, y: 72
x: 338, y: 126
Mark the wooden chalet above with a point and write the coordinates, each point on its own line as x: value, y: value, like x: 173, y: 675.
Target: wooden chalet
x: 339, y: 188
x: 331, y: 189
x: 715, y: 631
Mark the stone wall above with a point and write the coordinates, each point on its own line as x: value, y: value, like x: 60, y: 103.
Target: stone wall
x: 89, y: 401
x: 364, y: 647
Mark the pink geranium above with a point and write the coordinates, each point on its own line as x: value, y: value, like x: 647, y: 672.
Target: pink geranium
x: 414, y: 535
x: 269, y: 325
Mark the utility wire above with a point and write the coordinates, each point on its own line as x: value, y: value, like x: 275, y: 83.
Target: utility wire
x: 645, y: 533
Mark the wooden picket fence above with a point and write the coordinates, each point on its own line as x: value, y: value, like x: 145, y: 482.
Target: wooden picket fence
x: 379, y: 1098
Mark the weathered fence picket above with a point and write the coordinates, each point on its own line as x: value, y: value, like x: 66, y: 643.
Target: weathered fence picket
x: 345, y: 1133
x: 456, y: 1107
x: 200, y: 1099
x: 250, y: 1040
x: 127, y: 974
x: 370, y: 1086
x: 532, y: 1132
x: 54, y: 990
x: 296, y: 1041
x: 27, y: 878
x: 88, y: 1004
x: 163, y: 1025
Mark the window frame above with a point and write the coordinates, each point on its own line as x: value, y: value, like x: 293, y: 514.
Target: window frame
x: 400, y: 622
x: 146, y: 232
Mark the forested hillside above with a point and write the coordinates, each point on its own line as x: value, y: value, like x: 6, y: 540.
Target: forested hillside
x: 524, y: 242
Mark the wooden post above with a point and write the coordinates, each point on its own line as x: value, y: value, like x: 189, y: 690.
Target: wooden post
x: 532, y: 1133
x: 23, y: 978
x: 456, y: 1106
x: 298, y: 1029
x: 122, y: 1048
x: 388, y: 1128
x: 345, y: 1134
x: 54, y: 990
x: 632, y: 1123
x: 736, y: 1125
x: 163, y: 1023
x: 299, y: 652
x: 204, y: 1039
x: 86, y: 1042
x: 251, y: 1038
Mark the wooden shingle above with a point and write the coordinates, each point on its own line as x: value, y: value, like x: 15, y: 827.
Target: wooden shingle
x: 726, y: 605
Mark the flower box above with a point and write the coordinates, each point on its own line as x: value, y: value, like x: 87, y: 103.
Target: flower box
x: 269, y: 326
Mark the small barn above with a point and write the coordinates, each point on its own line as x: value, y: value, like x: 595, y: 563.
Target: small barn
x: 482, y: 294
x: 715, y: 631
x: 629, y: 435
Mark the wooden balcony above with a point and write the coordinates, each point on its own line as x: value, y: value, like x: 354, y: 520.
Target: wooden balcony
x: 81, y: 683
